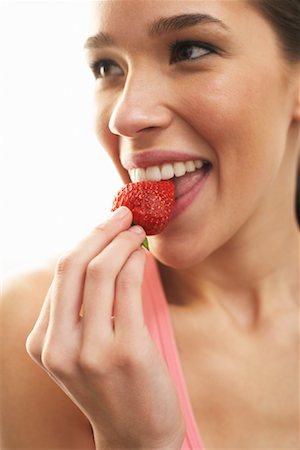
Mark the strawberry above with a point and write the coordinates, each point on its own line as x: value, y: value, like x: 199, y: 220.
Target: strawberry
x: 151, y: 203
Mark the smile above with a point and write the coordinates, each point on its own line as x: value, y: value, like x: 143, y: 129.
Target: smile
x: 165, y: 171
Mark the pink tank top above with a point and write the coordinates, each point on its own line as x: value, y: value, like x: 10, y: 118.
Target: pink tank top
x: 158, y: 321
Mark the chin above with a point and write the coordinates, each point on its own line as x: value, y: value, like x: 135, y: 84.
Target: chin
x: 178, y: 253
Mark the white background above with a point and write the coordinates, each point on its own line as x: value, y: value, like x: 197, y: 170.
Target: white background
x: 56, y: 180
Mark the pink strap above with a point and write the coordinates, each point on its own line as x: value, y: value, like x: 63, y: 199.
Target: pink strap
x: 158, y: 320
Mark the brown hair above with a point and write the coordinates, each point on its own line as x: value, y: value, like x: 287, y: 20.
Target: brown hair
x: 284, y: 17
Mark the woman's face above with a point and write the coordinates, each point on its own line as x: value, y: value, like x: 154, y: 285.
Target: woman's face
x: 225, y: 96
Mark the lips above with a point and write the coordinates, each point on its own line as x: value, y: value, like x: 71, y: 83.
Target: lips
x: 187, y: 186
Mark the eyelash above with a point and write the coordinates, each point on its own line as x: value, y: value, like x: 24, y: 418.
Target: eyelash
x: 173, y: 47
x: 178, y: 45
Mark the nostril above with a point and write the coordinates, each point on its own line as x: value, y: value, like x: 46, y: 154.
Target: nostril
x: 149, y: 128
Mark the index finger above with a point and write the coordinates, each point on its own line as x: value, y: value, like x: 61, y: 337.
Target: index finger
x: 71, y: 269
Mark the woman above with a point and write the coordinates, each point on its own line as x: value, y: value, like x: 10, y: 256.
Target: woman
x: 175, y: 81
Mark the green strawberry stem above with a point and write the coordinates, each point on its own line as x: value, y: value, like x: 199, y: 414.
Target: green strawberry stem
x: 145, y: 243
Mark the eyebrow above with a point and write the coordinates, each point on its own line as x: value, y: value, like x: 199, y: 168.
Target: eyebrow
x: 167, y: 24
x: 159, y: 27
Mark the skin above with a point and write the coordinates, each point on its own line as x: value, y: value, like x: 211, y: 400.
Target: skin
x: 231, y: 283
x: 245, y: 215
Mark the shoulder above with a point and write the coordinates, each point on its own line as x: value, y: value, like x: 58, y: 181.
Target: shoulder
x: 22, y: 297
x: 38, y: 415
x: 23, y: 294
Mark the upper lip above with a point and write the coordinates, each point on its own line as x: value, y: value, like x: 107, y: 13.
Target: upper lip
x: 156, y: 157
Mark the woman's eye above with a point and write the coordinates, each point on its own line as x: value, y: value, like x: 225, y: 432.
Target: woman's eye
x: 182, y: 51
x: 104, y: 68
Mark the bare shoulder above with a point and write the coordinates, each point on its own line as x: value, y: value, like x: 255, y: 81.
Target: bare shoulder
x: 36, y: 413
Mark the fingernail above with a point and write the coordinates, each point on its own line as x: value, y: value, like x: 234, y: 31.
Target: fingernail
x: 136, y: 229
x: 120, y: 212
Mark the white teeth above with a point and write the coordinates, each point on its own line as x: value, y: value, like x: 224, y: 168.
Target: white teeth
x: 198, y: 163
x: 190, y: 166
x: 165, y: 172
x: 132, y: 174
x: 179, y: 169
x: 139, y: 174
x: 153, y: 173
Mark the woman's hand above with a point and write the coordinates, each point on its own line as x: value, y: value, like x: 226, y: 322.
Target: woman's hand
x: 109, y: 366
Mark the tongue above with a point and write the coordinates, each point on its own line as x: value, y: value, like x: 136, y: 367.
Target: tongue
x: 187, y: 182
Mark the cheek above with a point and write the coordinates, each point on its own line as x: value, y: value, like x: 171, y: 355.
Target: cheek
x: 241, y: 127
x: 239, y: 117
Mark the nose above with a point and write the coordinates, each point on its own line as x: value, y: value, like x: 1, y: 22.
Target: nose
x: 140, y: 107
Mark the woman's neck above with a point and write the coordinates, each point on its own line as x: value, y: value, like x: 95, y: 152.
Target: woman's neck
x: 249, y: 278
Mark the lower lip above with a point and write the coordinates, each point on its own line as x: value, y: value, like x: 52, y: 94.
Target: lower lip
x: 185, y: 200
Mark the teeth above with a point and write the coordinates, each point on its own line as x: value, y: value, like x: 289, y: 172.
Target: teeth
x: 190, y: 166
x: 153, y: 173
x: 164, y: 172
x: 167, y: 171
x: 198, y: 163
x: 179, y: 169
x: 140, y: 174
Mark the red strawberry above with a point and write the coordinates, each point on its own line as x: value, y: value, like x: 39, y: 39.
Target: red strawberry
x: 151, y: 203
